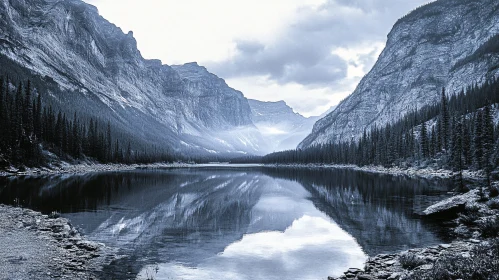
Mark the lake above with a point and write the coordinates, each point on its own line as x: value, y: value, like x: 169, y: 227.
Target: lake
x: 246, y: 222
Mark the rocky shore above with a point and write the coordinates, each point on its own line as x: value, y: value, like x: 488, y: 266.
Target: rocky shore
x: 398, y: 266
x: 35, y: 246
x: 426, y: 172
x: 66, y: 168
x: 474, y: 254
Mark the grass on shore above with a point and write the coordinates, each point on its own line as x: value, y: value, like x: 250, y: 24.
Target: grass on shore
x: 481, y: 264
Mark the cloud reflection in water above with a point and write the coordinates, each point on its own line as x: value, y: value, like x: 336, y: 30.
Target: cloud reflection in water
x: 311, y: 246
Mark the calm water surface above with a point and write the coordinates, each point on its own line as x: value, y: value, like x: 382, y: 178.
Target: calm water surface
x: 238, y: 223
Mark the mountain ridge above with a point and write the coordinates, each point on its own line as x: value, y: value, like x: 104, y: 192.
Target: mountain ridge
x: 426, y: 50
x: 89, y: 65
x: 278, y: 122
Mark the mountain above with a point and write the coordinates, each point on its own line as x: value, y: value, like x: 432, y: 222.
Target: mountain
x: 279, y: 124
x: 81, y: 62
x: 329, y: 111
x: 223, y: 112
x: 447, y: 43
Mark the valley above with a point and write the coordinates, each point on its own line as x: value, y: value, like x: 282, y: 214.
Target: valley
x: 114, y: 165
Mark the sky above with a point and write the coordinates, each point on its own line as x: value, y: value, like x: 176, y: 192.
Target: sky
x: 309, y: 53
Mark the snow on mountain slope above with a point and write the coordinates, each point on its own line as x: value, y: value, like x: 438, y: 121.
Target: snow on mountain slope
x: 447, y: 43
x: 92, y: 67
x: 280, y: 124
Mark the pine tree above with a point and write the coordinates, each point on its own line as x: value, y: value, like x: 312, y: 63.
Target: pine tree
x: 28, y: 111
x: 477, y: 141
x: 445, y: 120
x: 65, y: 133
x: 457, y: 152
x: 439, y: 137
x: 467, y: 153
x: 3, y: 115
x: 433, y: 143
x: 424, y: 141
x: 58, y: 137
x: 109, y: 142
x: 487, y: 142
x: 117, y: 156
x: 17, y: 128
x: 91, y: 140
x: 38, y: 117
x: 76, y: 138
x: 495, y: 157
x: 128, y: 158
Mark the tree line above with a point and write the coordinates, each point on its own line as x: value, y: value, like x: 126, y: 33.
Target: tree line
x: 457, y: 133
x: 30, y: 132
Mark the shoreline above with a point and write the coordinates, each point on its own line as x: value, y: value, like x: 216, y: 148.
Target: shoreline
x: 427, y: 173
x: 82, y: 168
x: 37, y: 246
x: 88, y: 167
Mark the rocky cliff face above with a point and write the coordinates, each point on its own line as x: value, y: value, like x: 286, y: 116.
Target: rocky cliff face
x: 97, y: 70
x: 280, y: 124
x: 220, y: 113
x: 211, y: 92
x: 447, y: 43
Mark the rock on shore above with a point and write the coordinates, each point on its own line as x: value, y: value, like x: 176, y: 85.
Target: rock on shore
x: 399, y: 265
x: 35, y: 246
x: 452, y: 202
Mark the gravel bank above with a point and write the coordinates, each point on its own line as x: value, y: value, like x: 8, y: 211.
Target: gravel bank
x: 35, y: 246
x: 66, y: 168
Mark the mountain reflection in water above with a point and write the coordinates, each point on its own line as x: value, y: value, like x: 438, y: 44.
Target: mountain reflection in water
x: 252, y: 223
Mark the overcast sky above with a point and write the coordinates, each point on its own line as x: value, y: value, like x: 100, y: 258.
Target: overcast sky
x: 310, y: 53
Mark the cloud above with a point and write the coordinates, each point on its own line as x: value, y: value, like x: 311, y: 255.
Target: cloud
x: 304, y: 64
x: 306, y: 101
x: 304, y: 52
x: 250, y: 47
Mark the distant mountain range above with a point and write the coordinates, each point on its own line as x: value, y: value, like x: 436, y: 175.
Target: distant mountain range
x: 279, y: 124
x: 446, y: 43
